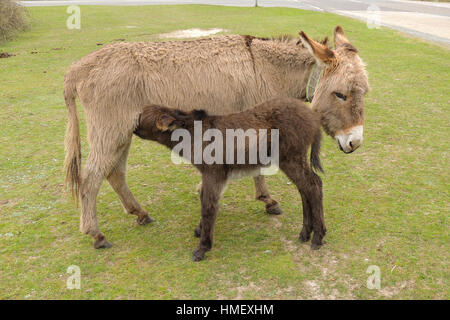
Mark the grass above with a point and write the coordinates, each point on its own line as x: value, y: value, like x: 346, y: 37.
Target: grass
x: 386, y: 204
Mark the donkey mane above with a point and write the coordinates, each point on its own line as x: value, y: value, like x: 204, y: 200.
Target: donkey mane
x: 285, y: 38
x: 279, y: 38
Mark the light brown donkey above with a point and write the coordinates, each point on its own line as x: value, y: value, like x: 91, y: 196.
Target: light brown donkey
x: 222, y: 74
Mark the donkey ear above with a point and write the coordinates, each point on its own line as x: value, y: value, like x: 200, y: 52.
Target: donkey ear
x: 339, y: 37
x: 321, y: 52
x: 165, y: 122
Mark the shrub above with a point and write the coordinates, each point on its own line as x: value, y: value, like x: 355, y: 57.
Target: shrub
x: 13, y: 18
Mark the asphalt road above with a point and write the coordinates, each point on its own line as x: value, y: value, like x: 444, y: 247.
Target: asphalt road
x: 428, y: 20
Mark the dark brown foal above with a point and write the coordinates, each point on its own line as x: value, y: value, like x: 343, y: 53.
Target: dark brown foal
x: 294, y: 128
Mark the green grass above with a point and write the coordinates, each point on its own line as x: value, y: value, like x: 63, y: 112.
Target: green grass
x: 386, y: 204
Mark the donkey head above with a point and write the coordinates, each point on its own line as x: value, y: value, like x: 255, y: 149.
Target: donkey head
x: 339, y: 95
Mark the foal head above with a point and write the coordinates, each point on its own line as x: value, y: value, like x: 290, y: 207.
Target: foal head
x: 157, y: 122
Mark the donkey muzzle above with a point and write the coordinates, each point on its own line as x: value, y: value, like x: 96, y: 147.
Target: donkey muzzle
x: 351, y: 139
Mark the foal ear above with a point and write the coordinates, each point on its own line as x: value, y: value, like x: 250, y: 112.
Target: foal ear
x: 165, y: 122
x: 321, y: 52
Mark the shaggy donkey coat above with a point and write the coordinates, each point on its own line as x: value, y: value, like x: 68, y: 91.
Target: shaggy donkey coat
x: 223, y: 74
x: 299, y: 129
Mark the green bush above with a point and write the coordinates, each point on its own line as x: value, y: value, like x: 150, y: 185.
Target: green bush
x: 13, y: 18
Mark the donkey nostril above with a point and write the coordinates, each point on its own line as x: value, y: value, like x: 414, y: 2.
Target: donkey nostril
x: 351, y: 145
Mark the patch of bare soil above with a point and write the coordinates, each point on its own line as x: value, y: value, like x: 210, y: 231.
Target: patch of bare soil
x: 389, y: 292
x: 242, y: 289
x: 326, y: 285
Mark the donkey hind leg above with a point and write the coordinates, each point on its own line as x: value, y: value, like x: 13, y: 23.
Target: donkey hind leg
x: 309, y: 185
x: 91, y: 180
x: 103, y: 157
x: 262, y: 194
x: 117, y: 179
x: 210, y: 196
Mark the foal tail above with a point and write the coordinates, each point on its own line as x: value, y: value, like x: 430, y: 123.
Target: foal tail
x: 315, y: 152
x: 72, y: 162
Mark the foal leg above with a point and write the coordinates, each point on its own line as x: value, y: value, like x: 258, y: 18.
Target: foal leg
x: 309, y: 185
x: 317, y: 210
x: 262, y: 194
x: 117, y: 179
x: 210, y: 196
x: 307, y: 229
x: 198, y: 230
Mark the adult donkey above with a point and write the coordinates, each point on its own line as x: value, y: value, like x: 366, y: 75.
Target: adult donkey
x: 222, y: 74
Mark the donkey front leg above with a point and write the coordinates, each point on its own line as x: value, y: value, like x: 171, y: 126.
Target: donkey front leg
x: 210, y: 195
x: 262, y: 194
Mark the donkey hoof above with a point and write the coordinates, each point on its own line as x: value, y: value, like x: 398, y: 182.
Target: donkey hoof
x: 144, y: 220
x: 102, y: 244
x: 274, y: 209
x: 315, y: 246
x: 197, y: 232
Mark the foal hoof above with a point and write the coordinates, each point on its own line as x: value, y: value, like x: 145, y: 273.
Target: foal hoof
x: 144, y: 220
x: 102, y: 244
x: 315, y: 246
x: 274, y: 209
x: 198, y: 255
x: 304, y: 237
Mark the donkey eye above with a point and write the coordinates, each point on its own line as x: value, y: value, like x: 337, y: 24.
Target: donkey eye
x: 340, y: 96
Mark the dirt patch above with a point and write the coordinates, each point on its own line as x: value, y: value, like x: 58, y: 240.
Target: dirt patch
x: 5, y: 55
x: 326, y: 287
x: 191, y: 33
x: 314, y: 290
x: 242, y: 289
x: 392, y: 291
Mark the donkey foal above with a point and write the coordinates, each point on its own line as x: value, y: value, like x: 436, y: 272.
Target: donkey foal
x: 298, y: 127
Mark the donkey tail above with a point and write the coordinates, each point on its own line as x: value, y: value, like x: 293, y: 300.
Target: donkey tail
x: 72, y: 162
x: 315, y: 152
